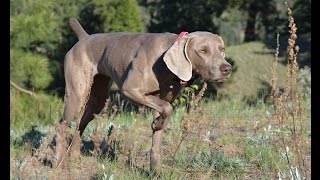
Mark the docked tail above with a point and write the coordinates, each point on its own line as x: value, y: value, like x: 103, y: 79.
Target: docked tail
x: 77, y: 28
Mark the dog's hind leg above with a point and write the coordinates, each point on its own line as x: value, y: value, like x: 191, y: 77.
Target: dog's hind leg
x: 96, y: 101
x: 98, y: 96
x: 77, y: 87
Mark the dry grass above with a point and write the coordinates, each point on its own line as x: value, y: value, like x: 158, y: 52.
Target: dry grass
x: 289, y: 109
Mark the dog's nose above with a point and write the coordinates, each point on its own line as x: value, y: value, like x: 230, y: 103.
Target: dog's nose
x: 225, y: 69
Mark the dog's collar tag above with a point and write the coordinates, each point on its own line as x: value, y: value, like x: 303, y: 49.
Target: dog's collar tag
x: 183, y: 33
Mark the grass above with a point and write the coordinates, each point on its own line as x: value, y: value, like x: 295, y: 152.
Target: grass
x: 254, y: 62
x: 222, y: 143
x: 242, y: 136
x: 27, y: 111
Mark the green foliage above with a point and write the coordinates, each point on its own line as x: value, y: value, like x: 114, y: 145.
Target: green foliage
x: 116, y: 15
x: 232, y: 26
x: 29, y: 70
x: 32, y: 24
x: 26, y: 111
x: 35, y: 33
x: 176, y: 16
x: 186, y: 95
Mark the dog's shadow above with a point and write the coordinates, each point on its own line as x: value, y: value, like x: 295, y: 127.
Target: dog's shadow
x: 87, y: 148
x: 103, y: 151
x: 45, y: 152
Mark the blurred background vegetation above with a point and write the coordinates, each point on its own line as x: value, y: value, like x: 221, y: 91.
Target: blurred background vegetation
x: 40, y: 36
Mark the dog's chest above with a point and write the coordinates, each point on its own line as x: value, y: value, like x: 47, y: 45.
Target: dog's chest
x: 170, y: 91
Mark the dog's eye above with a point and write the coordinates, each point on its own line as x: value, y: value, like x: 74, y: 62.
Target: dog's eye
x: 203, y: 51
x: 222, y: 49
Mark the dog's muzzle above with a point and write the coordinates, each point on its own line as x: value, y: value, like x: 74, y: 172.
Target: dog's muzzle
x: 225, y: 69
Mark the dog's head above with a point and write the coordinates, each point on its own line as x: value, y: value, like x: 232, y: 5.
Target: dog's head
x: 201, y: 53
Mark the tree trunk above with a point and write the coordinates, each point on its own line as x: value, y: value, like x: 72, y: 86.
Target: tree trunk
x: 250, y: 33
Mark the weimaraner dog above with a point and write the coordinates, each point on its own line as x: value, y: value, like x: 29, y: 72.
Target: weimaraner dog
x: 148, y: 68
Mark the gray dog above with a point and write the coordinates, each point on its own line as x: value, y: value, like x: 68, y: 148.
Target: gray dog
x: 147, y: 68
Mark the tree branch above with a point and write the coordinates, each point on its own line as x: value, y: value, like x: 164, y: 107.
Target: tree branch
x: 22, y: 90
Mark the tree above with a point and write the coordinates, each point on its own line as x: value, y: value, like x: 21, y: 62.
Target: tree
x: 258, y: 10
x: 40, y: 36
x: 177, y: 16
x: 32, y: 27
x: 302, y: 14
x: 34, y: 33
x: 264, y: 18
x: 111, y: 16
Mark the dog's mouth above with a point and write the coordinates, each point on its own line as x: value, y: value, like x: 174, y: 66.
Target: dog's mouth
x: 219, y: 78
x: 198, y: 78
x: 222, y: 79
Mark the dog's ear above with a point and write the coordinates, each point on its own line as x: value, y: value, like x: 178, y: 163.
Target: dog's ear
x: 177, y: 60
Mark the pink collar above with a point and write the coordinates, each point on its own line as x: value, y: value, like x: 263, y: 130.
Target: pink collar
x: 183, y: 33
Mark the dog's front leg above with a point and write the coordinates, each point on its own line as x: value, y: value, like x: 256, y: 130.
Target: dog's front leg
x: 163, y: 111
x: 155, y: 151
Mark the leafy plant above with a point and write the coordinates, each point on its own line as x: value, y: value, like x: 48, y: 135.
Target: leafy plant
x: 186, y: 96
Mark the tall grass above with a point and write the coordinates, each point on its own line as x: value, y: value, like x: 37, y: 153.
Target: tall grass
x: 289, y: 108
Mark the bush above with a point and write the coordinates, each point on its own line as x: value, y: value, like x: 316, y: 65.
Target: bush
x: 26, y: 110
